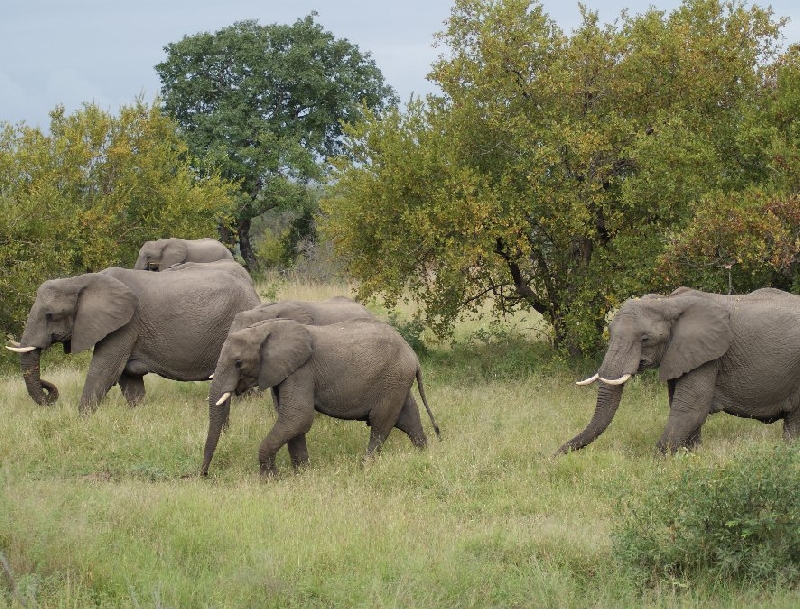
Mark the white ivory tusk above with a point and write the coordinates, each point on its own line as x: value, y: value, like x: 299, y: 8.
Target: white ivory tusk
x: 15, y: 343
x: 588, y: 381
x: 224, y: 397
x: 620, y: 381
x: 21, y: 349
x: 210, y: 377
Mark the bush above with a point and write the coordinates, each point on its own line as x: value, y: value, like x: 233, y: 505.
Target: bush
x: 739, y: 522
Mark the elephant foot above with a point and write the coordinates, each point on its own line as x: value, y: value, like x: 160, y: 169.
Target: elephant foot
x: 268, y: 472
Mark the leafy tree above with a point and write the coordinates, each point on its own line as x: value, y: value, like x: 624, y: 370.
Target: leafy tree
x: 549, y: 173
x: 265, y: 104
x: 86, y: 195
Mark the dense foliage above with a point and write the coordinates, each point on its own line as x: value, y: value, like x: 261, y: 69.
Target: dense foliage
x: 735, y: 522
x: 87, y: 194
x: 266, y: 104
x: 556, y: 171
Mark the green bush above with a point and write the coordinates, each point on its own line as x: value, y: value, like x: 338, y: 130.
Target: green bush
x: 738, y: 523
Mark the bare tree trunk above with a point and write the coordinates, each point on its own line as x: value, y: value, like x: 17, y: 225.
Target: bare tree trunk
x: 246, y: 248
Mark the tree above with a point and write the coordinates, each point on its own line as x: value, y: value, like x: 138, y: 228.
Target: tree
x: 89, y: 193
x: 265, y: 104
x: 549, y: 172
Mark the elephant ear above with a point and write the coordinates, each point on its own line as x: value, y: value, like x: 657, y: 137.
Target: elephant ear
x: 701, y: 333
x: 286, y: 346
x: 174, y: 252
x: 104, y: 304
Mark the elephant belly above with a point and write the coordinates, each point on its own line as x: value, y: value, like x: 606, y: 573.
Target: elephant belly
x: 343, y: 409
x: 767, y: 405
x: 178, y: 368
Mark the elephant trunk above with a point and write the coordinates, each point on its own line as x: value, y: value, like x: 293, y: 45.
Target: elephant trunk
x: 218, y: 411
x: 41, y: 391
x: 608, y: 399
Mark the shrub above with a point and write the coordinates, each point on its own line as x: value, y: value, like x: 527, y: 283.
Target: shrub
x: 738, y: 522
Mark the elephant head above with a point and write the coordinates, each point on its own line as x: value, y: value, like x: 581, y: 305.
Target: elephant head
x: 262, y: 355
x: 77, y: 312
x: 161, y: 254
x: 676, y: 333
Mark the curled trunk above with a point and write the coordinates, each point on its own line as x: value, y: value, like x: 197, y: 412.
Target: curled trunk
x: 608, y: 399
x: 41, y: 391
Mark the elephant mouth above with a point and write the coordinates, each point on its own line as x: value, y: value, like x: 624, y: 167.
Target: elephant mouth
x: 152, y: 266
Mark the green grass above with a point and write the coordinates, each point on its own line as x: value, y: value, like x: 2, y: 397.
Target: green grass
x: 108, y: 510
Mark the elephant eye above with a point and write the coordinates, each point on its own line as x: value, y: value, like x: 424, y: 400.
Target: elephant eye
x: 238, y: 363
x: 48, y: 316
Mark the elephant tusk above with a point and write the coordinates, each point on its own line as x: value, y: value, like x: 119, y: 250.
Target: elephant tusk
x: 620, y: 381
x: 588, y: 381
x: 15, y: 343
x: 21, y: 349
x: 210, y: 377
x: 224, y: 397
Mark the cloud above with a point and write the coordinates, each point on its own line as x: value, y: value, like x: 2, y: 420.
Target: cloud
x: 14, y: 98
x: 73, y: 91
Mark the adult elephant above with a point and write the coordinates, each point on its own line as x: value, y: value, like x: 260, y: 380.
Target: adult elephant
x: 322, y: 313
x: 171, y: 324
x: 360, y: 369
x: 163, y: 253
x: 735, y: 354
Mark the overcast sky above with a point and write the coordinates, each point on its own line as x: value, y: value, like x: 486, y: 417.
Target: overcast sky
x: 102, y: 51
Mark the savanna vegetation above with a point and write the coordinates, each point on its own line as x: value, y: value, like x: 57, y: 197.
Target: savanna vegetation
x: 563, y: 173
x: 497, y: 226
x: 109, y: 510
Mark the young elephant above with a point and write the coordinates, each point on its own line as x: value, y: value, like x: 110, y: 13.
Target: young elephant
x: 361, y: 369
x: 161, y: 254
x: 332, y: 310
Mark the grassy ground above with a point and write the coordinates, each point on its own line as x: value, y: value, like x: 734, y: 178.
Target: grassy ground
x: 109, y: 511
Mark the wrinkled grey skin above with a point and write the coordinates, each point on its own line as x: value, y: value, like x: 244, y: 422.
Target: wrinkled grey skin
x: 163, y: 253
x: 734, y: 354
x: 360, y: 369
x: 171, y: 324
x: 332, y: 310
x: 227, y: 265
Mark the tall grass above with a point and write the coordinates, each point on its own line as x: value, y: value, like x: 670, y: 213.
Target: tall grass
x: 108, y: 510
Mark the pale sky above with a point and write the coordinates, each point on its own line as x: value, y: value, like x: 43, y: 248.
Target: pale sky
x: 104, y: 51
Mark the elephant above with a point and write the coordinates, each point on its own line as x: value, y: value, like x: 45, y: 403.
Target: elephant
x: 360, y: 369
x: 163, y: 253
x: 171, y: 324
x: 228, y: 265
x: 738, y: 354
x: 332, y: 310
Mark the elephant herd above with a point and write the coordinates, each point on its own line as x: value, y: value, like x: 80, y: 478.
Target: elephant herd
x: 200, y: 318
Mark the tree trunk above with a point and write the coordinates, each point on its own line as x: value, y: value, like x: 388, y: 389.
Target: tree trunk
x: 245, y: 247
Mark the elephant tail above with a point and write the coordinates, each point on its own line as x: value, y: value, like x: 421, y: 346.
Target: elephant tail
x: 421, y: 389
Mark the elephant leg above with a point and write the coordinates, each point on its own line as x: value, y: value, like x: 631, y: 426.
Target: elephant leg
x: 132, y: 388
x: 99, y: 382
x: 382, y: 418
x: 791, y: 425
x: 691, y: 397
x: 409, y: 422
x: 295, y: 416
x: 298, y: 451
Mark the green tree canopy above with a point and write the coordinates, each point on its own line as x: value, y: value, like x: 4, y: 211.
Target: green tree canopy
x: 89, y: 193
x: 266, y: 105
x: 550, y: 173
